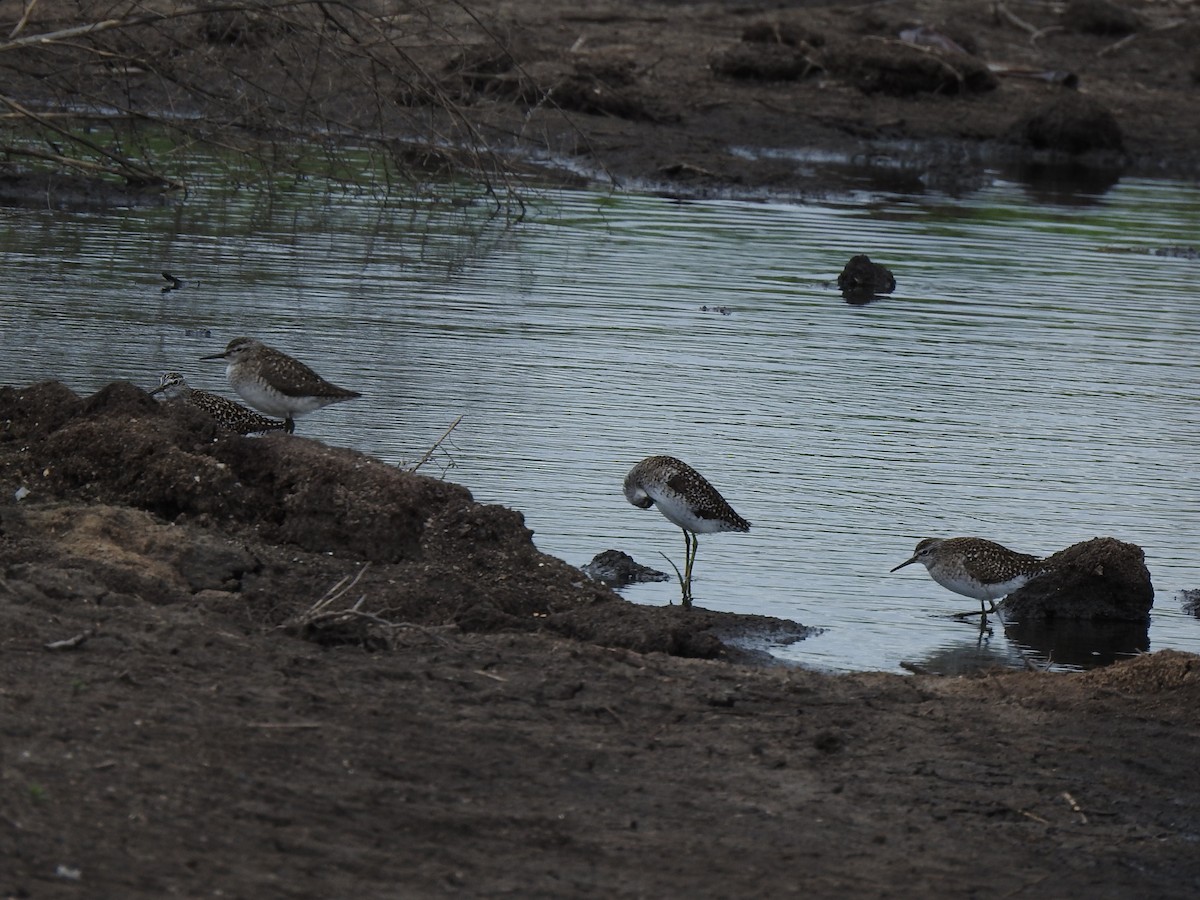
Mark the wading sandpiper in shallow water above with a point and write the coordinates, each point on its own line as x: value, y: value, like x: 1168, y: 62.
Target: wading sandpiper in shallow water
x: 275, y: 383
x: 684, y: 496
x: 229, y: 415
x: 975, y: 567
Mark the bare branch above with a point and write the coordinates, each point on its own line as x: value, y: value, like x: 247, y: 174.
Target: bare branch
x: 20, y: 26
x: 429, y: 453
x: 254, y: 77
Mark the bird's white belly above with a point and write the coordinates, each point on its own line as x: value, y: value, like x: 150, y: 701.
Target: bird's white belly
x: 968, y: 587
x: 271, y: 402
x: 676, y: 509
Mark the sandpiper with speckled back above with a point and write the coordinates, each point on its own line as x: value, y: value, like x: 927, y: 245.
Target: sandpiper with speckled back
x: 229, y: 415
x: 975, y: 567
x: 275, y: 383
x: 685, y: 498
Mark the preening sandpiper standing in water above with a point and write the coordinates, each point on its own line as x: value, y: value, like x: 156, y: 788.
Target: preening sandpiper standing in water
x: 275, y: 383
x: 686, y: 498
x: 229, y: 415
x: 975, y: 567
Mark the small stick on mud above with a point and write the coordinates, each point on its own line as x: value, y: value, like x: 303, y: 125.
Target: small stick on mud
x: 349, y: 624
x: 71, y: 643
x: 332, y: 595
x: 1066, y: 795
x: 1003, y: 12
x: 429, y: 453
x: 1130, y: 38
x: 1032, y: 665
x: 1113, y: 48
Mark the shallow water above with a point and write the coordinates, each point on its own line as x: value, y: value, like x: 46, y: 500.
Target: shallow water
x: 1030, y: 380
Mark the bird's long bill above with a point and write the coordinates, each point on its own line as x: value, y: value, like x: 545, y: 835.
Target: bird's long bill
x: 907, y: 562
x: 158, y: 390
x: 220, y: 355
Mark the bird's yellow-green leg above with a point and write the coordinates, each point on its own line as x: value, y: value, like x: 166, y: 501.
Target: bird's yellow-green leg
x: 693, y: 544
x: 685, y: 580
x: 985, y: 607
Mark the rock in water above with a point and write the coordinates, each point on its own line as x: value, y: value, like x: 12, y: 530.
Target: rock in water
x: 1098, y: 579
x: 617, y: 569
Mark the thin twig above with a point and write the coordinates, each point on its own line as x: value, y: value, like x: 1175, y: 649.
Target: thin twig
x: 1114, y: 47
x: 71, y: 643
x: 76, y: 31
x: 1013, y: 19
x: 678, y: 574
x: 362, y: 44
x: 1075, y: 806
x: 1035, y: 33
x: 72, y: 162
x: 20, y: 26
x: 579, y: 133
x: 320, y: 615
x: 125, y: 166
x: 335, y: 593
x: 429, y: 453
x: 133, y: 21
x: 1129, y: 38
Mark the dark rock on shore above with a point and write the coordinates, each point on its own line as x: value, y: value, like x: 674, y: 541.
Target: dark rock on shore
x: 1071, y: 125
x: 150, y: 662
x: 770, y: 50
x: 779, y: 31
x: 618, y: 569
x: 899, y: 69
x: 1100, y: 17
x: 764, y: 62
x: 1100, y: 579
x: 125, y: 500
x: 681, y: 631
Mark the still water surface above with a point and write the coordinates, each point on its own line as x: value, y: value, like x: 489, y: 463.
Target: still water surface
x: 1027, y: 382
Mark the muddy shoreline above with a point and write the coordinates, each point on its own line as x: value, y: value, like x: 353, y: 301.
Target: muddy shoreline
x: 182, y: 715
x: 718, y: 99
x: 184, y: 712
x: 682, y: 99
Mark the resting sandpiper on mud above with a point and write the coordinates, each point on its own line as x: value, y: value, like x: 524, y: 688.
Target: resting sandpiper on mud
x: 229, y: 415
x: 275, y: 383
x: 975, y: 567
x: 685, y: 498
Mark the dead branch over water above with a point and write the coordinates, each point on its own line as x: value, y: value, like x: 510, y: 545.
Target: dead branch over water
x: 282, y: 84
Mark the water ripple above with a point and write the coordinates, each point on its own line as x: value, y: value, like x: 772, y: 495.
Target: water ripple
x: 1033, y: 379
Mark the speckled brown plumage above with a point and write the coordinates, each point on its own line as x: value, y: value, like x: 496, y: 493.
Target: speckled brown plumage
x: 975, y: 567
x: 685, y: 498
x: 228, y: 414
x: 277, y: 384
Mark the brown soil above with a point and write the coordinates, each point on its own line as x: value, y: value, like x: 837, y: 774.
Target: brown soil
x: 661, y: 94
x: 199, y: 699
x: 683, y: 98
x: 181, y: 718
